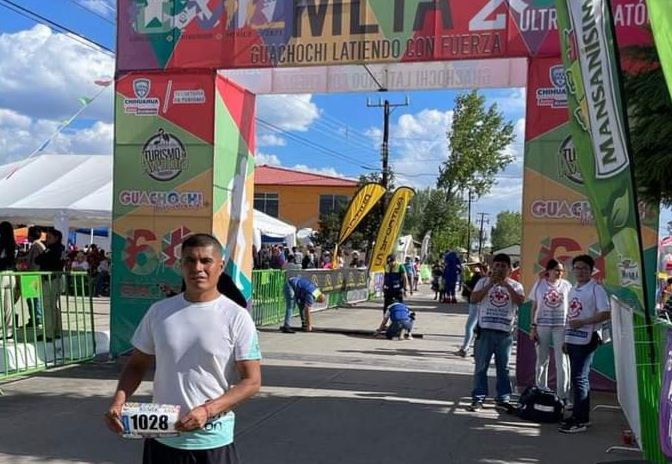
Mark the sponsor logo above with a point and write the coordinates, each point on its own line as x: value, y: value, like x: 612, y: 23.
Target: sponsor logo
x: 189, y: 97
x: 142, y: 104
x: 628, y: 271
x: 568, y: 166
x: 562, y: 209
x: 162, y: 201
x: 555, y: 96
x: 499, y: 298
x: 164, y: 157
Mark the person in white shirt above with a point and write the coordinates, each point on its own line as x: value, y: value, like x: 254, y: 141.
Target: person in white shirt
x: 588, y: 308
x: 498, y: 297
x: 201, y: 343
x: 550, y: 298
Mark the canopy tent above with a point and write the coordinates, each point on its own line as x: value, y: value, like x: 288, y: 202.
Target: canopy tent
x: 270, y: 229
x: 48, y: 189
x: 75, y: 191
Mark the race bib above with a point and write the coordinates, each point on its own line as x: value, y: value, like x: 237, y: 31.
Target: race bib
x: 148, y: 420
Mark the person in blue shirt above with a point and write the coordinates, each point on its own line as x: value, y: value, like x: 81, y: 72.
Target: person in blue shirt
x: 395, y: 282
x: 401, y: 320
x: 305, y: 293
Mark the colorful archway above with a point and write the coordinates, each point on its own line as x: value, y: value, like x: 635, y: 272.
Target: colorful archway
x: 188, y: 72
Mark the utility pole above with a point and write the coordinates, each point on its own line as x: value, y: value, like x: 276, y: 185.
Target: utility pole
x: 480, y: 235
x: 388, y: 108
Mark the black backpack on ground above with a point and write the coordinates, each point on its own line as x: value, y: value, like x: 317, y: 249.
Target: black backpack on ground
x: 540, y: 405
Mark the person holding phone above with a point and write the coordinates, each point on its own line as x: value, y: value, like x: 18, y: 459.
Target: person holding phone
x: 550, y: 300
x: 498, y: 298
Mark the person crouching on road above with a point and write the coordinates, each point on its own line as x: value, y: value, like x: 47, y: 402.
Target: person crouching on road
x: 401, y: 322
x: 305, y: 293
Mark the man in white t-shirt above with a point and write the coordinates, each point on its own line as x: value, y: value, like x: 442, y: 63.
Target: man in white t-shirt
x: 498, y: 297
x: 201, y: 343
x: 588, y: 309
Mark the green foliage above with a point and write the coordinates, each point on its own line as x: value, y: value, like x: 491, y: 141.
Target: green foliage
x: 508, y: 230
x: 650, y: 120
x: 476, y: 140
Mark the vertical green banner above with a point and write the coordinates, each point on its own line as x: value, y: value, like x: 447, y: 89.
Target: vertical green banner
x: 660, y: 14
x: 599, y: 135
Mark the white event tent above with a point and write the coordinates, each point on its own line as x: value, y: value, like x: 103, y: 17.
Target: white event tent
x: 75, y: 191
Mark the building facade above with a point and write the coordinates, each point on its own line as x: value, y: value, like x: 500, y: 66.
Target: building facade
x: 299, y: 198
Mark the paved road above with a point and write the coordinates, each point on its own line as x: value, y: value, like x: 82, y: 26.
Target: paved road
x: 327, y: 398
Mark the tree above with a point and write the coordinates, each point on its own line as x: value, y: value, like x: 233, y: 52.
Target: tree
x: 507, y: 230
x: 649, y: 110
x: 476, y: 140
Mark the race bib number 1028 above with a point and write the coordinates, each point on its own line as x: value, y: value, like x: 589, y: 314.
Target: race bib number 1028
x: 148, y: 420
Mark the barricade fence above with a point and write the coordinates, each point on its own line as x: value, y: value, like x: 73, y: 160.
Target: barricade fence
x: 47, y: 321
x: 342, y: 286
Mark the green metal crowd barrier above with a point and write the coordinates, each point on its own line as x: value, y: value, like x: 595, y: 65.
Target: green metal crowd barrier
x: 64, y: 335
x: 268, y: 297
x: 649, y: 379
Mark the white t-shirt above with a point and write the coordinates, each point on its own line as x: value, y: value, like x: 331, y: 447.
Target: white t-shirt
x: 552, y: 302
x: 196, y: 347
x: 496, y: 310
x: 585, y: 302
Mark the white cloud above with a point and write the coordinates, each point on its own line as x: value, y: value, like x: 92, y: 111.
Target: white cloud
x: 270, y: 140
x: 102, y: 7
x: 264, y: 158
x: 288, y: 112
x: 326, y: 171
x: 43, y: 74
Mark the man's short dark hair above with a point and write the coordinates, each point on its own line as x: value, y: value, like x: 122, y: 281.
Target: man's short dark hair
x: 57, y: 234
x: 586, y: 259
x: 202, y: 241
x: 34, y: 233
x: 502, y: 258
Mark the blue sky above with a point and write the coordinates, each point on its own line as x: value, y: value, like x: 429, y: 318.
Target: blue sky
x: 43, y: 72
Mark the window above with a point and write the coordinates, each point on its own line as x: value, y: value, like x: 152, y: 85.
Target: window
x: 267, y: 203
x: 331, y: 203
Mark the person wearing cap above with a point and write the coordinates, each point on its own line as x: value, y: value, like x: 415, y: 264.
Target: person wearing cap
x: 394, y: 283
x: 305, y: 293
x: 401, y: 320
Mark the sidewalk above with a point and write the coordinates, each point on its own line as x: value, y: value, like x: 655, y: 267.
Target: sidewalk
x: 327, y: 398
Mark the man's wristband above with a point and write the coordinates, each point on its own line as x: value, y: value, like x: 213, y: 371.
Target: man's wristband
x: 534, y: 325
x: 207, y: 411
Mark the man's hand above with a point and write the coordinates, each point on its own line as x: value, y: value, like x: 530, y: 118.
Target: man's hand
x: 113, y: 418
x: 533, y: 334
x: 194, y: 420
x: 576, y: 324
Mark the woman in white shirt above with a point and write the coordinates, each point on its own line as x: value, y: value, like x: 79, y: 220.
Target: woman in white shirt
x: 550, y: 297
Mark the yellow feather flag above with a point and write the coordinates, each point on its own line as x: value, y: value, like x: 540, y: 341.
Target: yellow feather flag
x: 390, y: 227
x: 360, y: 205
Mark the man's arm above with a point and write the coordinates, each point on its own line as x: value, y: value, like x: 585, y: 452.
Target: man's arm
x: 478, y: 295
x: 250, y: 382
x: 596, y: 319
x: 131, y: 376
x: 517, y: 298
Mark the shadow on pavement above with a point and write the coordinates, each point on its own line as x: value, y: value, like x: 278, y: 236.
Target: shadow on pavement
x: 328, y: 415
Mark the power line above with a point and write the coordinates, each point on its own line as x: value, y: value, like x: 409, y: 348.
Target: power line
x: 92, y: 11
x: 26, y: 13
x: 312, y: 144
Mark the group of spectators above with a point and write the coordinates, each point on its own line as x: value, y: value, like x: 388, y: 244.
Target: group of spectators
x: 282, y: 257
x: 566, y: 317
x: 46, y: 253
